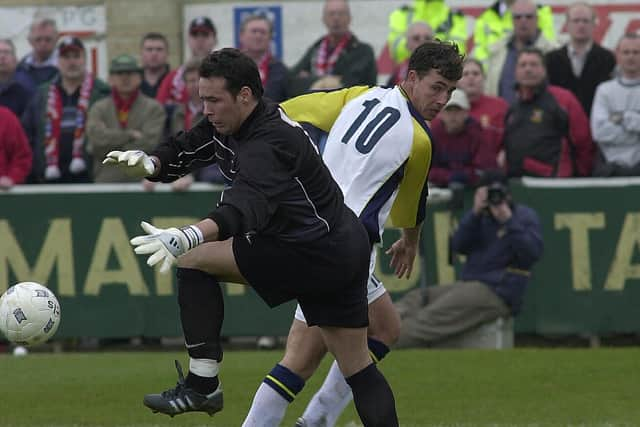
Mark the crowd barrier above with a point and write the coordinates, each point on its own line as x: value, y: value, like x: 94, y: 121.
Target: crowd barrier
x: 75, y: 239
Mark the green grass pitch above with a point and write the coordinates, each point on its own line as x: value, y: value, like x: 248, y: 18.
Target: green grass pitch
x: 522, y: 387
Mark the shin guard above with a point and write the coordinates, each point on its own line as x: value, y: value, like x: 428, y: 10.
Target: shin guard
x: 201, y: 312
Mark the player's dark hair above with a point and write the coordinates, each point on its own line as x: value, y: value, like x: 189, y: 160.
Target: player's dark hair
x: 236, y: 68
x: 443, y: 57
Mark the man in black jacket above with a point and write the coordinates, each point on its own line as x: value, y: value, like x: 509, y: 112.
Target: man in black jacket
x: 283, y: 213
x: 337, y: 59
x: 582, y: 64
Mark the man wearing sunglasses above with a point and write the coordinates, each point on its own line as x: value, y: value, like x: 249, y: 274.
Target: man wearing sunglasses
x: 501, y: 63
x: 496, y: 23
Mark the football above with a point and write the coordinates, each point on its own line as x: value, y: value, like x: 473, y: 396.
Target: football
x: 29, y: 314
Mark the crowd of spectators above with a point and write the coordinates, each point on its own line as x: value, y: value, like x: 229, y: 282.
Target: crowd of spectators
x: 525, y: 103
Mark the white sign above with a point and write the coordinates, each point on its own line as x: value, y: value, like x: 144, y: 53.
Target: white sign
x: 86, y: 22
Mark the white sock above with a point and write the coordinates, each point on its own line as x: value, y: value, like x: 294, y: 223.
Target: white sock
x: 329, y: 402
x: 267, y: 408
x: 204, y: 367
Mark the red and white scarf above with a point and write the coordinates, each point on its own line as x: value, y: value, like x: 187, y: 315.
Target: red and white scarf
x: 325, y: 62
x: 191, y: 110
x: 53, y: 126
x: 178, y: 89
x: 263, y: 67
x: 123, y: 106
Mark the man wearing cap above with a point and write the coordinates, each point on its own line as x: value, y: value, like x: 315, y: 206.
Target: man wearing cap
x: 55, y: 119
x: 127, y: 120
x: 202, y: 40
x: 462, y: 151
x: 502, y: 241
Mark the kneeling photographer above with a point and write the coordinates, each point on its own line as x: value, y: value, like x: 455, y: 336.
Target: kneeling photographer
x: 502, y: 240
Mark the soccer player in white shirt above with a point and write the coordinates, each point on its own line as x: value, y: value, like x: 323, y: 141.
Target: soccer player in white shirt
x: 379, y: 152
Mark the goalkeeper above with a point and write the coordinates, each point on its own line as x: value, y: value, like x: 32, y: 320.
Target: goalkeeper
x: 284, y: 213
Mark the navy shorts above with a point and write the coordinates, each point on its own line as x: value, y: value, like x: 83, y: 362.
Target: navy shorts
x: 328, y: 276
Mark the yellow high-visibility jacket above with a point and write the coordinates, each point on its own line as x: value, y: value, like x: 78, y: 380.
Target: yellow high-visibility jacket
x: 448, y: 24
x: 490, y: 27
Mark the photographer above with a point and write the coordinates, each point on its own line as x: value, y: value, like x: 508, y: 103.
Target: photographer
x: 502, y: 241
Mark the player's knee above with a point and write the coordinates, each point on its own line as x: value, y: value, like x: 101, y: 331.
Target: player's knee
x: 391, y: 331
x: 303, y: 356
x: 389, y: 335
x: 384, y: 322
x: 305, y: 349
x: 193, y: 260
x: 303, y: 365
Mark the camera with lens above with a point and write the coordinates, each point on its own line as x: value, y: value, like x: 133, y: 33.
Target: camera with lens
x: 496, y: 193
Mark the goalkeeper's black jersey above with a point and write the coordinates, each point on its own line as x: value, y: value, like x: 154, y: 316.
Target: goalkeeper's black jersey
x: 279, y: 184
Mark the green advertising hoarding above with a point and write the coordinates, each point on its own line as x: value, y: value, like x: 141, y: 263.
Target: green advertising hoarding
x: 589, y: 278
x: 75, y: 239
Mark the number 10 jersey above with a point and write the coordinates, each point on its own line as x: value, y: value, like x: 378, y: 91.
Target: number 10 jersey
x: 378, y: 150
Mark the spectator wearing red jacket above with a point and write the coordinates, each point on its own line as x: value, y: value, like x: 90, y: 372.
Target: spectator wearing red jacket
x: 486, y: 109
x: 460, y: 150
x: 15, y: 153
x: 546, y: 130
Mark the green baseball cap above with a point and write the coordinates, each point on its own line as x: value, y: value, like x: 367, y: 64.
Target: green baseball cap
x: 124, y: 64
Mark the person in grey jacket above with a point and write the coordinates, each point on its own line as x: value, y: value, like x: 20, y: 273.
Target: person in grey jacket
x: 615, y: 115
x: 127, y: 120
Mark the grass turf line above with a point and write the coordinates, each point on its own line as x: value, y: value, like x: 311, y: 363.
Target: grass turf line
x: 523, y: 387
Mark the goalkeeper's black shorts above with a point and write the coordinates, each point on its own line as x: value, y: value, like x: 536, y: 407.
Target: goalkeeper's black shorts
x: 327, y: 276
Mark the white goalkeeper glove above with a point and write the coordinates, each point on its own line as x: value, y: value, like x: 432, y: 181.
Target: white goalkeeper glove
x: 166, y: 244
x: 136, y: 163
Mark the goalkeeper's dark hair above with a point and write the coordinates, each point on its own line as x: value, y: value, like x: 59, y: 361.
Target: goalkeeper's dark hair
x: 444, y: 57
x: 236, y: 68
